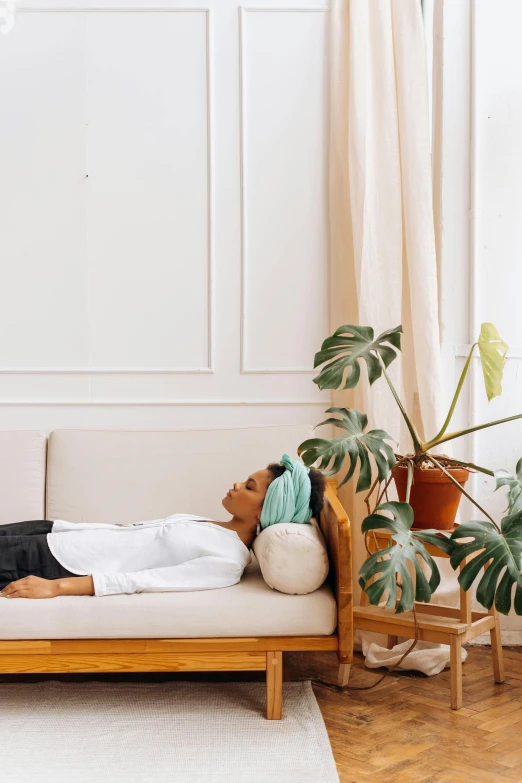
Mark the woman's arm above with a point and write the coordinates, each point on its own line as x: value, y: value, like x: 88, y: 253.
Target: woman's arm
x: 75, y: 585
x: 201, y: 573
x: 36, y: 587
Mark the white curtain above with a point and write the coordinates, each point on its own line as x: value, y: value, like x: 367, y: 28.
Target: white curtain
x: 382, y: 236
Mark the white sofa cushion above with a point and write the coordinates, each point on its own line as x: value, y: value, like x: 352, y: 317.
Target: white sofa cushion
x: 250, y: 608
x: 134, y: 474
x: 22, y: 475
x: 292, y: 557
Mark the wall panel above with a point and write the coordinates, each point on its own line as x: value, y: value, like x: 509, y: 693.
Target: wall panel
x: 43, y: 295
x: 284, y: 197
x: 148, y: 167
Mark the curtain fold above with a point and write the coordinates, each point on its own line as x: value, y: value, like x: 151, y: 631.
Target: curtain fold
x: 382, y: 235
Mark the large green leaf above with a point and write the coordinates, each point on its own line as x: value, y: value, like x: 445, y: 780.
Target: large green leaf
x: 347, y: 346
x: 493, y: 350
x: 503, y: 478
x: 504, y: 549
x: 356, y: 443
x: 408, y: 545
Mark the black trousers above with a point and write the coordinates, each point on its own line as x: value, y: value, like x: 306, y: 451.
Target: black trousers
x: 24, y: 551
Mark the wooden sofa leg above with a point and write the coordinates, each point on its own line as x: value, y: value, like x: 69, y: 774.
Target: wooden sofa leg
x: 274, y: 685
x: 344, y: 674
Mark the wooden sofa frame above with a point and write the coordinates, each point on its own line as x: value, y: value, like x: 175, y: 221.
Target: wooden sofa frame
x: 38, y: 656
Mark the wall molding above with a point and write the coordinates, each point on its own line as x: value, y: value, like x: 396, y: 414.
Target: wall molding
x: 210, y: 369
x: 508, y: 638
x: 167, y: 5
x: 81, y: 8
x: 244, y: 369
x: 165, y: 403
x: 283, y: 9
x: 102, y: 370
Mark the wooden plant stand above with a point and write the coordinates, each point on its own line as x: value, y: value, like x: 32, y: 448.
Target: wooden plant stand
x: 437, y: 623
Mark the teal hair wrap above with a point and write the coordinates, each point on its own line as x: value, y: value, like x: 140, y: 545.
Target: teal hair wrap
x: 288, y: 496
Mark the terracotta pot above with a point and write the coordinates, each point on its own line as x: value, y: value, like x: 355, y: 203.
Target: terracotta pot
x: 433, y: 497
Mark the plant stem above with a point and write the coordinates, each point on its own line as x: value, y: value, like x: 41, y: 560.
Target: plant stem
x: 452, y: 435
x: 414, y: 436
x: 381, y: 495
x: 475, y: 467
x: 456, y: 395
x: 432, y: 459
x: 408, y: 483
x: 368, y: 496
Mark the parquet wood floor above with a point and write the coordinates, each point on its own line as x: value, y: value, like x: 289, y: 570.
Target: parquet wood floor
x: 403, y: 731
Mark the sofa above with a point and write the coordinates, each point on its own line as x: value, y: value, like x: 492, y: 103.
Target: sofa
x: 129, y: 475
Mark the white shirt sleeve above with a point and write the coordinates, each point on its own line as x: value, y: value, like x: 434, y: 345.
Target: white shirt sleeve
x: 201, y: 573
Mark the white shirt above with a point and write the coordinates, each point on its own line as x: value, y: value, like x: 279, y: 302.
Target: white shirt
x: 180, y: 552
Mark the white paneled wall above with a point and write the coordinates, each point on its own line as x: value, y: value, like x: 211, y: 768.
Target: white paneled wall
x: 163, y: 213
x: 497, y: 257
x: 481, y: 235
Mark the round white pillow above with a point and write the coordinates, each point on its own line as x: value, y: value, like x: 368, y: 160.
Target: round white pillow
x: 292, y: 557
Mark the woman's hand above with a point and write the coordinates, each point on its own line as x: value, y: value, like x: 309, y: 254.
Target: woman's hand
x: 31, y: 587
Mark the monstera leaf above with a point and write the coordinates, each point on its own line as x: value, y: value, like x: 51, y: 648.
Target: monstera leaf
x: 504, y: 549
x: 492, y: 355
x: 356, y: 443
x: 347, y: 346
x: 408, y: 545
x: 514, y: 483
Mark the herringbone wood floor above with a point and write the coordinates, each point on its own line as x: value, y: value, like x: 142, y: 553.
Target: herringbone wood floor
x: 403, y: 731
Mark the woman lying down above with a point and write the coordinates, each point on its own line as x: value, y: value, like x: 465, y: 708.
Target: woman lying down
x: 43, y: 559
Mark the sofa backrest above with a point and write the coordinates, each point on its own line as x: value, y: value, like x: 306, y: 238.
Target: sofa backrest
x: 22, y: 475
x: 134, y: 474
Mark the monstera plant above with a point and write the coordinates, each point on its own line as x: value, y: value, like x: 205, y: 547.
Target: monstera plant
x: 499, y: 547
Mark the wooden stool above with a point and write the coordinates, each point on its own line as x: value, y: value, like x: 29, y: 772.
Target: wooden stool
x: 437, y: 622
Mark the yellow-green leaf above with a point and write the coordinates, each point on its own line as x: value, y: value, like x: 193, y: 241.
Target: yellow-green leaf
x: 493, y: 350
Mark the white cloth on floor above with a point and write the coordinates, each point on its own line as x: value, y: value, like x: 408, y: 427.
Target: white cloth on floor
x: 427, y: 657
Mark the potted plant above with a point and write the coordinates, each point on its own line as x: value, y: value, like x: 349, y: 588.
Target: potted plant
x: 422, y: 479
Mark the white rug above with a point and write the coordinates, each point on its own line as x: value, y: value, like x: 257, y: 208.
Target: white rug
x: 168, y: 732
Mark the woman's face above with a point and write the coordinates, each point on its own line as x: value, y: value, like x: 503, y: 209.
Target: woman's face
x: 245, y: 499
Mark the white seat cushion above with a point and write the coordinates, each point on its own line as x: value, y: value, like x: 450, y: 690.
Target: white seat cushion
x: 22, y: 475
x: 249, y: 608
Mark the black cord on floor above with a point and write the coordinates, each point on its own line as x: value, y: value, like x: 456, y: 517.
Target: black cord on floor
x: 342, y: 688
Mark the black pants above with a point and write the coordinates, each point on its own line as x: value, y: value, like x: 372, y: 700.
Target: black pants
x: 24, y: 551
